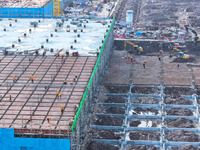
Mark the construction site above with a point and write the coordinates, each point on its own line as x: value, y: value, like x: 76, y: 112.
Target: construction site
x: 126, y: 82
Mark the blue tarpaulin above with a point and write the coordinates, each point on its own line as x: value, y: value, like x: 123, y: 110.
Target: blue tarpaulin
x: 9, y: 142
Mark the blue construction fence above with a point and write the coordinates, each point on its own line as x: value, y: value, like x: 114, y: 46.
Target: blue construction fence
x: 43, y: 12
x: 9, y: 142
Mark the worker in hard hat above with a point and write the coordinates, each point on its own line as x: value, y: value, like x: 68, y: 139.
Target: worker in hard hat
x: 74, y: 79
x: 48, y: 119
x: 76, y: 76
x: 62, y: 109
x: 65, y: 82
x: 29, y: 119
x: 125, y: 57
x: 71, y: 83
x: 62, y: 56
x: 71, y: 122
x: 58, y: 93
x: 13, y: 79
x: 32, y: 79
x: 75, y: 107
x: 10, y: 97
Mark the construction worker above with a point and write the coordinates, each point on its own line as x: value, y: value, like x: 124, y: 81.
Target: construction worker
x: 76, y: 76
x: 44, y: 52
x: 75, y: 107
x: 32, y: 79
x: 65, y: 82
x: 178, y: 66
x: 62, y: 109
x: 62, y: 56
x: 48, y: 118
x: 145, y: 61
x: 131, y: 58
x: 13, y: 79
x: 71, y: 122
x: 125, y: 57
x: 58, y: 54
x: 58, y: 93
x: 10, y: 97
x: 71, y: 83
x: 30, y: 119
x: 74, y: 79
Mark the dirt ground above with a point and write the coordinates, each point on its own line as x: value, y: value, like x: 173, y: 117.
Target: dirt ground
x: 149, y: 122
x: 108, y: 110
x: 181, y: 123
x: 144, y: 135
x: 93, y: 145
x: 143, y: 147
x: 179, y: 112
x: 145, y: 100
x: 185, y: 147
x: 177, y: 101
x: 106, y: 120
x: 102, y: 134
x: 183, y: 136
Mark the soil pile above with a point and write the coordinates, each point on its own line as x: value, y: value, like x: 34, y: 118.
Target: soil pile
x: 142, y: 147
x: 139, y: 110
x: 106, y: 120
x: 117, y: 89
x: 183, y: 136
x: 102, y: 134
x: 137, y: 122
x: 178, y: 101
x: 180, y: 123
x: 145, y: 100
x: 115, y: 99
x: 176, y: 92
x: 185, y: 147
x: 93, y: 145
x: 108, y: 110
x: 144, y: 135
x: 144, y: 90
x: 179, y: 112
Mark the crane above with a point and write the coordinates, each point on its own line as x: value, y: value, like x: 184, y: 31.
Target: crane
x: 136, y: 49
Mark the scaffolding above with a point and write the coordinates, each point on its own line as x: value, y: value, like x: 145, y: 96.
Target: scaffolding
x: 81, y: 120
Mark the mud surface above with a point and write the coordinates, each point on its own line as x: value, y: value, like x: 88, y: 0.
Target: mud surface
x: 144, y: 135
x: 93, y: 145
x: 106, y: 120
x: 140, y: 110
x: 148, y: 122
x: 117, y: 89
x: 109, y: 110
x: 179, y: 111
x: 181, y: 123
x: 142, y: 147
x: 185, y: 147
x: 102, y: 134
x: 183, y: 136
x: 115, y: 99
x: 178, y: 101
x: 176, y: 92
x: 144, y: 90
x: 145, y: 100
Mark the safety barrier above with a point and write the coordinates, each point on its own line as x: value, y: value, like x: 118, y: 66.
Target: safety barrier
x: 82, y: 116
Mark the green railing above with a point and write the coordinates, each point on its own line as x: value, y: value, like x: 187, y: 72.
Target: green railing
x: 91, y: 79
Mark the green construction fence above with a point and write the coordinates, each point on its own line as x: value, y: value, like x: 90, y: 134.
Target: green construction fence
x: 91, y: 78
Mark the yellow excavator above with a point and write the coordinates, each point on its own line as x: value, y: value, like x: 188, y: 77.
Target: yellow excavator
x: 181, y: 54
x: 136, y: 48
